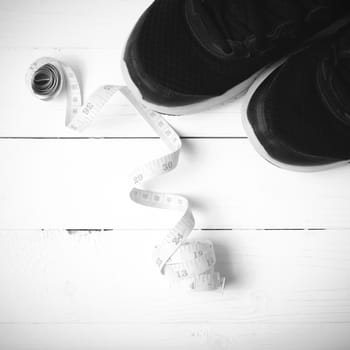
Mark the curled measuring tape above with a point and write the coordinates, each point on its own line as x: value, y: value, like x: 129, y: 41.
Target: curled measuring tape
x: 187, y: 263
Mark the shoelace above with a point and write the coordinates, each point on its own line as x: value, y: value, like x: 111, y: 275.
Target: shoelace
x: 236, y: 20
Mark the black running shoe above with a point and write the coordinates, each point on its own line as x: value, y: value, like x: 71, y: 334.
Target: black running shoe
x: 188, y: 55
x: 297, y: 115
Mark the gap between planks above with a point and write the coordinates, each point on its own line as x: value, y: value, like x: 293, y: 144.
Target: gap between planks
x: 93, y: 230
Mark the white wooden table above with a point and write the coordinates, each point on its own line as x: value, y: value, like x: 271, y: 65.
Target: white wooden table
x: 282, y: 239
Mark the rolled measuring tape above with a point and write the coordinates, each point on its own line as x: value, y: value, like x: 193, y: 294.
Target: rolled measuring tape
x: 189, y: 264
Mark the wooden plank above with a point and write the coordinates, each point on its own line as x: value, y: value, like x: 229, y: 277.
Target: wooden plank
x: 94, y: 67
x: 99, y: 290
x: 84, y: 24
x: 85, y: 184
x: 241, y: 336
x: 273, y: 277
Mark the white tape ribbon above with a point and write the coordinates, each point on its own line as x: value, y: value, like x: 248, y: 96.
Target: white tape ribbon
x: 188, y: 263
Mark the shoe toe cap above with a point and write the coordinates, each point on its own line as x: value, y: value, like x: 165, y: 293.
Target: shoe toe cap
x: 164, y: 62
x: 269, y: 129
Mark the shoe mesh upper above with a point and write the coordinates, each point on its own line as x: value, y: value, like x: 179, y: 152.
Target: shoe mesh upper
x: 172, y: 56
x: 296, y: 113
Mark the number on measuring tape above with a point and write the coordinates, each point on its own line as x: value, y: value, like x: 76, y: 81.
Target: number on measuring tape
x: 168, y: 166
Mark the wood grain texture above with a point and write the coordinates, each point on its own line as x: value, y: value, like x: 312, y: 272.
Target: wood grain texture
x: 255, y: 336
